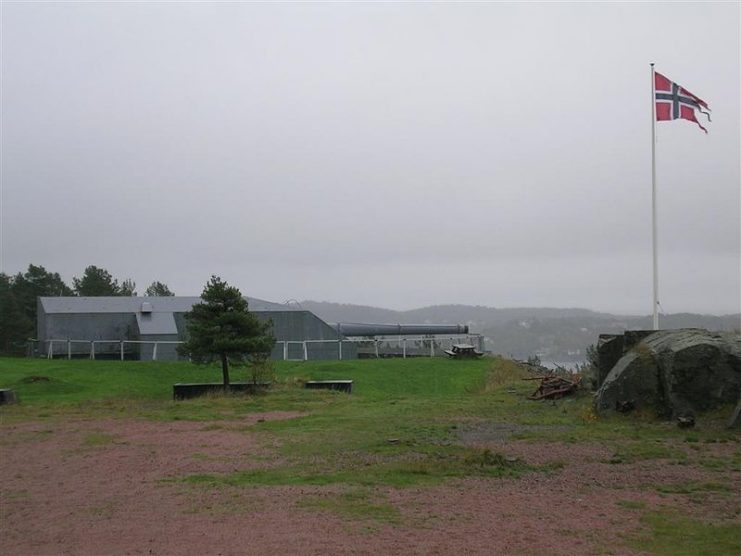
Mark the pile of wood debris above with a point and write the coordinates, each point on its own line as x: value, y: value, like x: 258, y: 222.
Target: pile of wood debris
x: 553, y: 386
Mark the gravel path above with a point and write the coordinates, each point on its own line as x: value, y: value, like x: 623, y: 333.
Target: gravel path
x: 97, y: 488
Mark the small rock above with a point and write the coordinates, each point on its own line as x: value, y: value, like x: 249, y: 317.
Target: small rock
x: 735, y: 420
x: 686, y: 421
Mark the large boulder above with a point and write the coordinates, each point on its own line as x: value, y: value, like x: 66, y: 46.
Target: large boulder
x: 609, y: 351
x: 611, y: 347
x: 675, y: 372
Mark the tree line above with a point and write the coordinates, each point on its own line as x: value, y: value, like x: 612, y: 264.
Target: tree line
x: 18, y: 295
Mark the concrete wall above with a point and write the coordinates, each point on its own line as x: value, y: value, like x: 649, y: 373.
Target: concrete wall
x: 295, y: 326
x: 287, y: 325
x: 165, y: 352
x: 101, y: 326
x: 305, y: 325
x: 97, y: 326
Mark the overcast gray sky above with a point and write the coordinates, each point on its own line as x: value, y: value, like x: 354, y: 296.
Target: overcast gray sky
x: 397, y: 155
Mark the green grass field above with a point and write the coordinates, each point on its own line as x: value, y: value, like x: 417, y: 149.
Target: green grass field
x: 399, y: 428
x: 84, y: 381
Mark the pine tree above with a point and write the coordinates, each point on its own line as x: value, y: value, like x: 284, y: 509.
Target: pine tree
x: 15, y: 326
x: 128, y: 288
x: 36, y: 282
x: 158, y: 289
x: 221, y: 328
x: 96, y: 282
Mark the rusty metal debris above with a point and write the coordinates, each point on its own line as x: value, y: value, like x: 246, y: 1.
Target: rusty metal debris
x: 553, y: 386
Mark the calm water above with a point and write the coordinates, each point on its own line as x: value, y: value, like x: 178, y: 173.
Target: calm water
x: 570, y: 365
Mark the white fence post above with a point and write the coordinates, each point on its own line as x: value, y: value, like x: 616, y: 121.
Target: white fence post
x: 418, y: 346
x: 120, y: 343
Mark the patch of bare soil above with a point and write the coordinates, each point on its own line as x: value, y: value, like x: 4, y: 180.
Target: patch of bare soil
x: 94, y: 488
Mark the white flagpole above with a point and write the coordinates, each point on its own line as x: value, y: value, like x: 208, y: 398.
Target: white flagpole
x: 653, y: 198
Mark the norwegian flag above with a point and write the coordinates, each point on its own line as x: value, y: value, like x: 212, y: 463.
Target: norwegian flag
x: 674, y: 102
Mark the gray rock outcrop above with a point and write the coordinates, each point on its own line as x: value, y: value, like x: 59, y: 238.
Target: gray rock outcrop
x: 675, y: 372
x: 611, y: 347
x: 735, y: 421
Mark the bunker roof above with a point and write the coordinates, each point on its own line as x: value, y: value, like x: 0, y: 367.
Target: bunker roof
x: 169, y: 304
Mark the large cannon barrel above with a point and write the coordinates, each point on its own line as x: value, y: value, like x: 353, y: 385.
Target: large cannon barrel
x: 364, y: 329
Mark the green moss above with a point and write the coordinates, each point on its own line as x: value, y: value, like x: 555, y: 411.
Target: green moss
x: 672, y: 535
x: 355, y: 504
x: 693, y: 487
x: 98, y: 439
x: 404, y: 469
x: 732, y: 463
x: 631, y: 504
x: 647, y: 450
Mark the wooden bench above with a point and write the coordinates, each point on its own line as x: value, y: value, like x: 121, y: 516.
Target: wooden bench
x: 183, y: 391
x: 463, y: 351
x: 340, y: 385
x: 7, y: 396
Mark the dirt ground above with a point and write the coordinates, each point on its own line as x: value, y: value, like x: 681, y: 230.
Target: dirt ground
x: 97, y: 488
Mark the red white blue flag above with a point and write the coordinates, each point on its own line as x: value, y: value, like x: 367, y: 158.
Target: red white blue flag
x: 674, y: 102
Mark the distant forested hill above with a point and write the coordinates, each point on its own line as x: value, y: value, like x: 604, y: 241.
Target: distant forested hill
x: 474, y: 315
x: 553, y: 334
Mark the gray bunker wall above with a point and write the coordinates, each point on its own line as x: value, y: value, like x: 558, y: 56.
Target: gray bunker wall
x: 165, y: 352
x: 291, y: 326
x: 87, y: 326
x: 295, y: 327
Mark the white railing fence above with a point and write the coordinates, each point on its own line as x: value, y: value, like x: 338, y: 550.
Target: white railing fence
x: 290, y: 350
x: 412, y: 346
x: 117, y: 347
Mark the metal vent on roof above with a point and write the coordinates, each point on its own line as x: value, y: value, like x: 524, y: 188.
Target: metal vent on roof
x: 146, y: 307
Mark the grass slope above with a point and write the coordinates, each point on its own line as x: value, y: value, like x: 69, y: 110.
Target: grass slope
x: 399, y: 428
x: 79, y: 381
